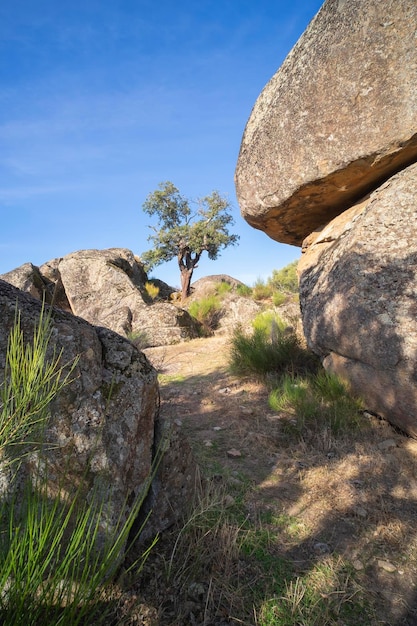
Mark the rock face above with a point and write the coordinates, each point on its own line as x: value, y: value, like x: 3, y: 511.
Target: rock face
x: 327, y: 162
x: 107, y: 288
x: 337, y: 119
x: 105, y: 424
x: 234, y: 309
x: 358, y: 289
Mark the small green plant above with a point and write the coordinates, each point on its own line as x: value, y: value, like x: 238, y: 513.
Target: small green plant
x: 261, y: 290
x: 54, y: 567
x: 244, y: 290
x: 285, y: 279
x: 325, y: 596
x: 206, y: 311
x: 315, y: 401
x: 271, y: 348
x: 152, y: 290
x: 30, y: 383
x: 223, y: 288
x: 271, y: 325
x: 278, y: 298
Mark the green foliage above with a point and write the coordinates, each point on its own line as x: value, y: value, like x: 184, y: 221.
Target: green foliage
x: 271, y: 348
x: 30, y: 383
x: 244, y: 291
x: 206, y: 311
x: 184, y: 232
x: 223, y: 288
x: 270, y: 324
x: 152, y: 290
x: 311, y: 599
x: 278, y: 298
x: 314, y: 402
x: 53, y: 568
x: 261, y: 290
x: 285, y: 279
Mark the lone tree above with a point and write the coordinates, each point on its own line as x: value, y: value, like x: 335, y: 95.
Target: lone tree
x: 185, y: 232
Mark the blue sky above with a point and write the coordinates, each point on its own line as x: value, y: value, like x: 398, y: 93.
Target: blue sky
x: 101, y: 100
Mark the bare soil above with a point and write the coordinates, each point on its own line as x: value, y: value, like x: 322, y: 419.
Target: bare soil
x: 355, y: 496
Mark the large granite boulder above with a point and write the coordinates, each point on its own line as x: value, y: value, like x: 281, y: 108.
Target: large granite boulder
x: 358, y: 289
x: 337, y: 119
x: 107, y: 288
x: 326, y: 162
x: 105, y: 427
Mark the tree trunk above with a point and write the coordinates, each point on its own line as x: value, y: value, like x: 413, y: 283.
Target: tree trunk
x: 186, y: 275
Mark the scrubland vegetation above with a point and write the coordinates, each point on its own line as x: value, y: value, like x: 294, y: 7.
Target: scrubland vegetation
x: 52, y: 570
x: 235, y: 558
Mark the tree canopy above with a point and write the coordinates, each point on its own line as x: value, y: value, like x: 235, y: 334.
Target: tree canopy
x: 185, y: 229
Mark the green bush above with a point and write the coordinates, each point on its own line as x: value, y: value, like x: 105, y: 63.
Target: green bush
x: 30, y: 383
x: 278, y: 298
x: 244, y: 291
x: 270, y: 324
x: 152, y: 290
x: 261, y: 290
x: 272, y: 348
x: 206, y: 311
x: 315, y: 401
x: 285, y: 279
x: 223, y: 288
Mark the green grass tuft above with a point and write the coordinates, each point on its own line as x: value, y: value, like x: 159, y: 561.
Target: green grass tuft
x: 272, y: 348
x: 206, y: 311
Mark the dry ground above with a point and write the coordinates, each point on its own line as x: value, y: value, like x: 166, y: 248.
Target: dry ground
x: 355, y: 497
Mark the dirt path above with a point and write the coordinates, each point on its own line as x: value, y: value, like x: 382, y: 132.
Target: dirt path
x: 356, y: 496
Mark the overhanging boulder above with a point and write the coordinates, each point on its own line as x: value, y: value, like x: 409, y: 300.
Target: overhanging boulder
x: 337, y: 119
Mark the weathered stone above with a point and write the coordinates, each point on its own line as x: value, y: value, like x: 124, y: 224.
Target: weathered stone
x: 233, y: 309
x: 163, y: 324
x: 105, y: 427
x: 358, y: 296
x: 107, y: 288
x: 29, y: 278
x: 337, y: 119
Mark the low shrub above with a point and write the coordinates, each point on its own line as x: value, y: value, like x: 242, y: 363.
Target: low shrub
x: 223, y: 288
x: 261, y: 290
x: 272, y: 348
x: 152, y: 290
x: 285, y: 279
x: 206, y: 311
x: 278, y: 298
x: 313, y: 402
x: 244, y: 291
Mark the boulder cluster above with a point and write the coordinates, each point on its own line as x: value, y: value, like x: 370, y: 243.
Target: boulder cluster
x: 328, y: 163
x: 105, y: 437
x: 107, y: 288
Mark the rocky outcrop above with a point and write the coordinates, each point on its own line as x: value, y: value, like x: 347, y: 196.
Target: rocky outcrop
x: 233, y: 308
x: 337, y: 119
x: 327, y: 162
x: 107, y: 288
x: 105, y: 427
x: 358, y: 289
